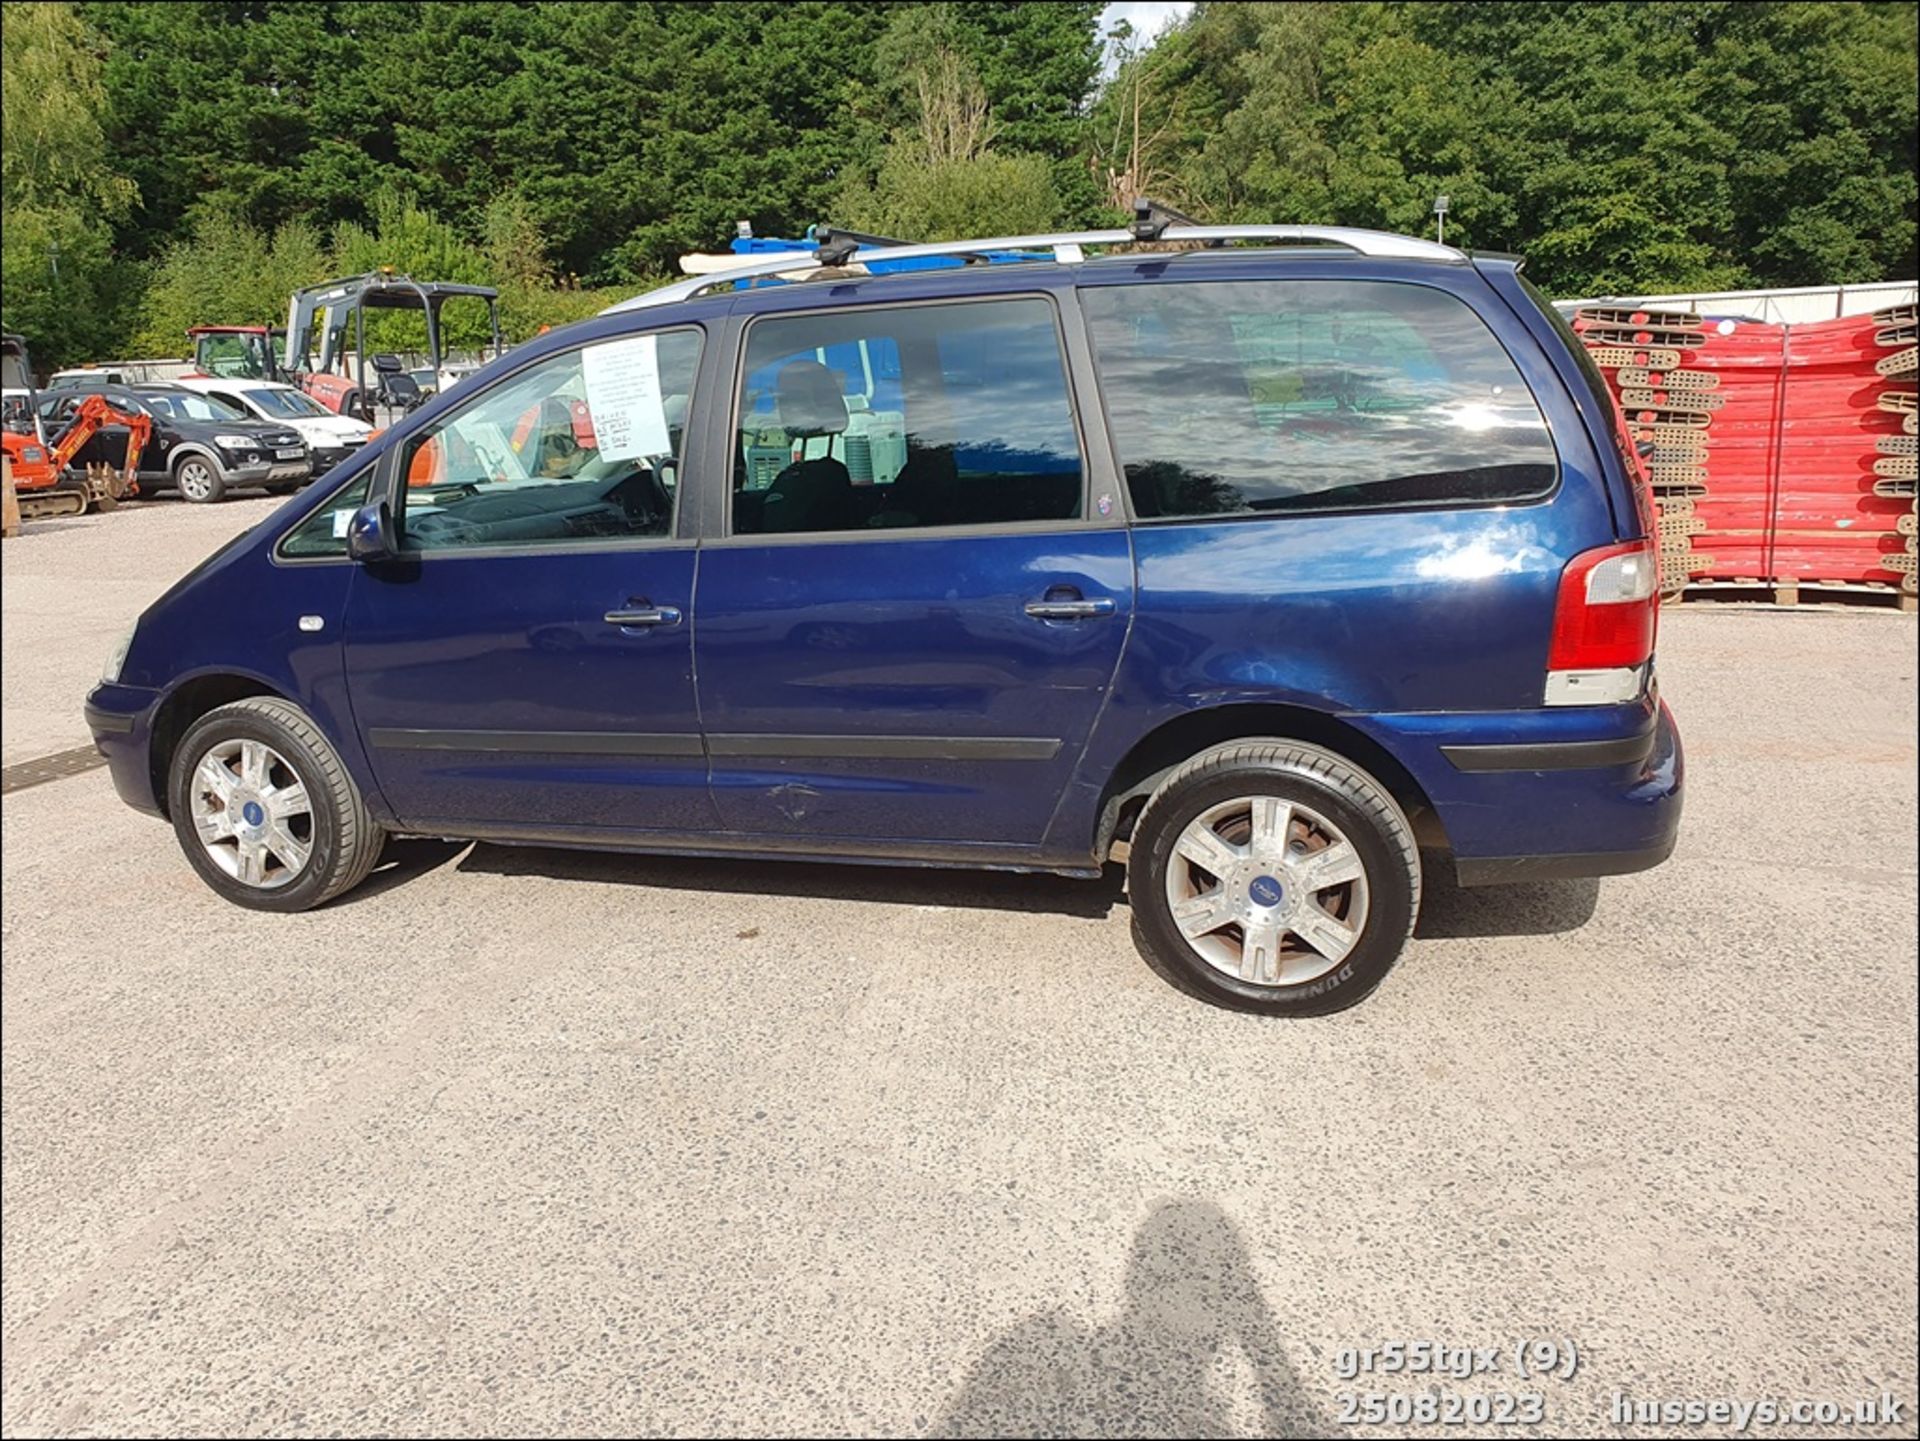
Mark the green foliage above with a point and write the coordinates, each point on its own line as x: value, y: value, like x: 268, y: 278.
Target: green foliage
x: 561, y: 150
x: 227, y: 273
x: 991, y: 194
x: 63, y: 287
x: 50, y: 99
x: 1621, y: 148
x: 939, y: 177
x: 234, y: 273
x: 64, y: 290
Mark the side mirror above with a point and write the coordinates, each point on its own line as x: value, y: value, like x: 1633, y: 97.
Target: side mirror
x: 370, y: 535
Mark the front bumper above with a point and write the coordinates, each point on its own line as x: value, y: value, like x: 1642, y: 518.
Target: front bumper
x: 121, y: 719
x: 1591, y: 791
x: 265, y: 472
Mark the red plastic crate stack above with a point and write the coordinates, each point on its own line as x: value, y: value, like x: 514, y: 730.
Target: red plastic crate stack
x: 1678, y: 413
x: 1846, y: 468
x: 1776, y: 453
x: 1896, y: 447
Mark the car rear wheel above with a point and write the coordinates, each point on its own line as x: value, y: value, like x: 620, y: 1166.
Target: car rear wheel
x: 198, y: 479
x: 265, y: 811
x: 1274, y: 877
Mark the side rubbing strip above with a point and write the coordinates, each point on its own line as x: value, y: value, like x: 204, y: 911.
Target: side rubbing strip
x: 623, y: 743
x: 561, y: 743
x: 929, y: 748
x: 1564, y: 756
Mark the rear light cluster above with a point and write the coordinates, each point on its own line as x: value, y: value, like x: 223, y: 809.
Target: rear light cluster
x: 1603, y: 625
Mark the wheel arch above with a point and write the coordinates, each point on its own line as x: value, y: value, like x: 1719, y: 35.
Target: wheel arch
x: 1181, y: 737
x: 185, y: 704
x: 187, y: 448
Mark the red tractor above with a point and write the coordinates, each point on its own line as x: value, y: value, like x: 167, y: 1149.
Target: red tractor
x: 39, y: 467
x: 237, y: 352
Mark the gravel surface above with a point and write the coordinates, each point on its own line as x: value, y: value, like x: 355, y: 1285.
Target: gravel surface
x: 72, y: 585
x: 526, y: 1141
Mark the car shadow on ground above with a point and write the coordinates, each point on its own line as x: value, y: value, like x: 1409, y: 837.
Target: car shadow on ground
x: 896, y: 885
x: 1195, y: 1350
x: 402, y: 861
x: 1447, y: 911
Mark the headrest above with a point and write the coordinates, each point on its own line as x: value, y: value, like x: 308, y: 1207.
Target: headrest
x: 810, y: 400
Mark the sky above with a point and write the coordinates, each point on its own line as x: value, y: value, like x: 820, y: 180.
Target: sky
x: 1146, y: 17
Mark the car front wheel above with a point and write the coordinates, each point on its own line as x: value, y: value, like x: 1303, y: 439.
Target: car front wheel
x: 198, y: 479
x: 1273, y: 876
x: 265, y: 811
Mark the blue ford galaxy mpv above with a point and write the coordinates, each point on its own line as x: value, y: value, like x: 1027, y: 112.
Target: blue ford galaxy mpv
x: 1290, y: 560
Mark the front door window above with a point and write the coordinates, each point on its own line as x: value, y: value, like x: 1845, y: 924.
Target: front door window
x: 581, y: 445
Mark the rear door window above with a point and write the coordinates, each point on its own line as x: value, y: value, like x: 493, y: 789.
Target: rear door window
x: 1269, y: 397
x: 906, y: 418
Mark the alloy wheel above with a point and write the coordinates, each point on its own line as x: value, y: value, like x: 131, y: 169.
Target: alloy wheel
x: 252, y: 813
x: 1267, y: 890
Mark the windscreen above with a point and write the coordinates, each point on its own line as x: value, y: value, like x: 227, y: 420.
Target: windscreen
x: 288, y: 404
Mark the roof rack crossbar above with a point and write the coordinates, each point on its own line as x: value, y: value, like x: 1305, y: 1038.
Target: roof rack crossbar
x: 1151, y: 219
x: 1065, y: 247
x: 833, y: 248
x: 859, y: 236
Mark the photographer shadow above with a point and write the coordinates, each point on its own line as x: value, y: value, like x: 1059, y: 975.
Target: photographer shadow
x: 1164, y: 1366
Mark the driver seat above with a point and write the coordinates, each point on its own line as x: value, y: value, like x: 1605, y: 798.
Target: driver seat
x: 398, y: 390
x: 809, y: 494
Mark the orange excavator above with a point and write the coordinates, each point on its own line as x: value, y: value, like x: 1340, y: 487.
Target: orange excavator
x: 40, y: 468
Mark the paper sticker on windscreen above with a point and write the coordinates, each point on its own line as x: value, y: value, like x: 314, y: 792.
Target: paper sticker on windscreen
x: 622, y: 379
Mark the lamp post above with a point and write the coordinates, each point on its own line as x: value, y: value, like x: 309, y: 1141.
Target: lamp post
x: 1440, y: 216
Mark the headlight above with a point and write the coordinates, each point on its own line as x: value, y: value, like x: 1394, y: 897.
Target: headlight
x: 110, y: 672
x: 236, y: 442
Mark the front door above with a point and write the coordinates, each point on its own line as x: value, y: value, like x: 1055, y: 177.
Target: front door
x: 907, y: 632
x: 526, y: 667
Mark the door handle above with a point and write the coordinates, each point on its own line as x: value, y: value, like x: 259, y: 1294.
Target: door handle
x: 645, y: 615
x: 1070, y: 609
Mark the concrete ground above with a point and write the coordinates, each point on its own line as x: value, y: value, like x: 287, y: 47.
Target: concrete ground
x: 517, y: 1142
x: 72, y: 587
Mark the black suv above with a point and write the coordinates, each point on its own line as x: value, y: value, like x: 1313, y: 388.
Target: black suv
x: 201, y: 447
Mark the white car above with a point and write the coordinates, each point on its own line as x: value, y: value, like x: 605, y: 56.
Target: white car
x: 16, y: 409
x: 90, y: 375
x: 453, y: 372
x: 331, y: 438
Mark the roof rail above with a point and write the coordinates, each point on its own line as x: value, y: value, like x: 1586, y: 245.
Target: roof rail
x: 1066, y: 248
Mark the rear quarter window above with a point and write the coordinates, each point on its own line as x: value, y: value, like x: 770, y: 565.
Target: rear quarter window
x: 1269, y: 397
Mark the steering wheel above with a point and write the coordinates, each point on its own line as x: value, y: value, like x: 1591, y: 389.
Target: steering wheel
x: 641, y: 496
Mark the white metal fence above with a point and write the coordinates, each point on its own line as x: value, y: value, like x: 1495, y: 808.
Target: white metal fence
x: 1792, y: 306
x: 175, y: 367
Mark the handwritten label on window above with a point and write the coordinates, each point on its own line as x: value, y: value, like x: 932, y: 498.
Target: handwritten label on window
x: 622, y: 379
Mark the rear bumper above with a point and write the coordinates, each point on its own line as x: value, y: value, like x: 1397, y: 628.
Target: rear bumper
x: 1504, y: 870
x: 1588, y: 791
x: 121, y: 719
